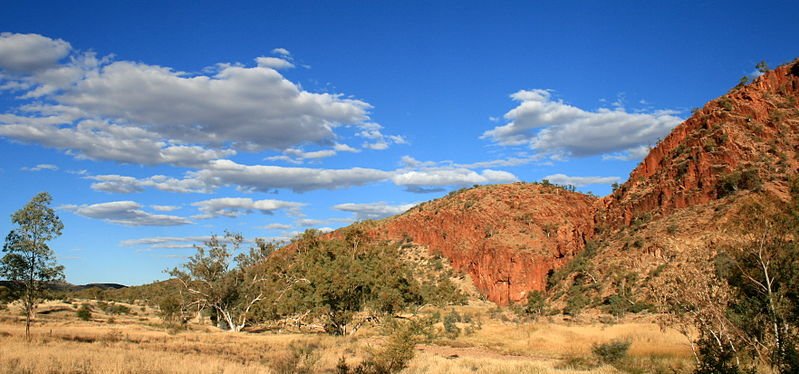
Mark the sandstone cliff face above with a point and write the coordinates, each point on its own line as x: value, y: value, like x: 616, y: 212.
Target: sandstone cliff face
x: 506, y: 237
x: 753, y: 127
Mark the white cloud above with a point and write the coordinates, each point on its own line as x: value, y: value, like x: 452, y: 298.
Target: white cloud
x: 41, y: 167
x: 235, y: 206
x: 344, y: 148
x: 308, y: 222
x: 146, y: 114
x: 250, y: 108
x: 166, y: 242
x: 433, y: 179
x: 298, y: 156
x: 555, y: 128
x: 281, y: 51
x: 266, y: 178
x: 415, y: 176
x: 26, y: 53
x: 563, y: 179
x: 376, y: 140
x: 278, y: 226
x: 632, y: 154
x: 274, y: 63
x: 165, y: 208
x: 99, y: 140
x: 124, y: 184
x: 373, y: 210
x: 128, y: 213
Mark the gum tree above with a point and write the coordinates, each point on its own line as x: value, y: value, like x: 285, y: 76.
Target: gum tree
x: 29, y: 263
x: 212, y: 280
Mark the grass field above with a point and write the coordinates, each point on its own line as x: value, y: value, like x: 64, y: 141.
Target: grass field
x: 62, y: 343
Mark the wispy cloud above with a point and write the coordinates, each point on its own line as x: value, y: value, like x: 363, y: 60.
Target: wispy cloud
x: 377, y: 210
x: 41, y: 167
x: 128, y: 213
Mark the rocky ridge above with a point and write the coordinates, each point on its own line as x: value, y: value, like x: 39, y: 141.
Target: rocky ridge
x: 509, y: 238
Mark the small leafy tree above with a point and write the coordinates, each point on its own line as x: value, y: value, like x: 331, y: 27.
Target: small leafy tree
x: 211, y: 280
x: 333, y: 280
x: 29, y: 263
x: 762, y: 67
x: 536, y: 304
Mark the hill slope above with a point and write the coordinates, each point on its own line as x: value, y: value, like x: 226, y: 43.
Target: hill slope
x: 506, y: 237
x: 739, y: 148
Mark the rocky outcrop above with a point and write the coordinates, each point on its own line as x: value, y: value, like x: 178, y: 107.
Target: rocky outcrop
x: 753, y: 129
x: 506, y: 237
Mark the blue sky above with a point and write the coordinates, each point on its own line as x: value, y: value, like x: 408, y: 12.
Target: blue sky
x: 154, y: 126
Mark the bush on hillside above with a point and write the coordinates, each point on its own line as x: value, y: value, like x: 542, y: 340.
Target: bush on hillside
x: 746, y: 179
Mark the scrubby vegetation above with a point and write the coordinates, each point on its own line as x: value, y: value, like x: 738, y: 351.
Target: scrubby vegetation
x: 743, y: 179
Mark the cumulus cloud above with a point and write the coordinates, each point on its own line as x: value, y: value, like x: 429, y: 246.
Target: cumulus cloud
x: 235, y: 206
x: 99, y: 140
x: 563, y: 179
x: 555, y: 128
x: 128, y: 213
x: 278, y: 226
x: 373, y: 210
x: 26, y: 53
x: 146, y: 114
x: 41, y: 167
x: 251, y: 108
x: 430, y: 180
x: 428, y: 176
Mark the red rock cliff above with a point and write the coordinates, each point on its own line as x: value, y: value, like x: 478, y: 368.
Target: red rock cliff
x: 506, y: 237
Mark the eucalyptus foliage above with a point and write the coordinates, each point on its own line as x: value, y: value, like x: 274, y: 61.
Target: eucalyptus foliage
x: 29, y: 263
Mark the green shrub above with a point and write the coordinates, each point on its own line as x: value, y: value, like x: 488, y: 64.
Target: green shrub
x: 392, y: 358
x: 451, y: 329
x: 576, y: 303
x: 726, y: 104
x: 84, y: 312
x: 536, y: 304
x: 746, y: 179
x: 611, y: 352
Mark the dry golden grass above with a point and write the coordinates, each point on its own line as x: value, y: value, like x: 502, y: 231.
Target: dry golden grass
x: 138, y: 344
